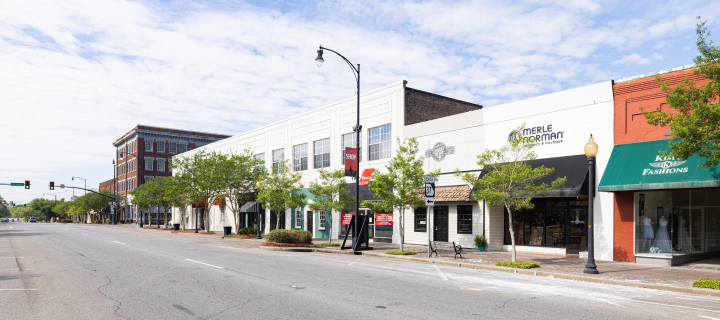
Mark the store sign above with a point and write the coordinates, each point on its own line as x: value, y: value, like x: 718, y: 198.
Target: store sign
x: 439, y: 151
x: 365, y: 177
x: 384, y: 219
x: 351, y: 163
x: 345, y: 218
x: 666, y: 165
x: 540, y: 135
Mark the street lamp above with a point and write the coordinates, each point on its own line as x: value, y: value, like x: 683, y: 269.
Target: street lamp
x: 357, y: 128
x: 257, y: 219
x: 591, y: 150
x: 73, y: 179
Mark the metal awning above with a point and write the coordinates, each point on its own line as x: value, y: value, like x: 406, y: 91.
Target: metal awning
x: 250, y: 206
x: 639, y: 166
x: 447, y: 194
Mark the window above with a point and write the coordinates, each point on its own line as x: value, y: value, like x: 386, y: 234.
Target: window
x: 148, y: 179
x: 182, y: 147
x: 421, y: 220
x: 321, y: 151
x: 148, y: 145
x: 148, y: 164
x: 161, y: 146
x: 379, y: 142
x: 120, y: 154
x: 321, y: 218
x: 161, y: 164
x: 300, y: 157
x: 173, y: 147
x: 277, y: 156
x: 464, y: 220
x: 348, y: 141
x: 298, y: 218
x: 261, y: 157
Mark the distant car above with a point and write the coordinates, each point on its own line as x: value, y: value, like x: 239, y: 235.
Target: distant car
x: 5, y: 220
x: 32, y: 220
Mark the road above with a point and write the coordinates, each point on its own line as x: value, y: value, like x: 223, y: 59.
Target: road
x: 63, y: 271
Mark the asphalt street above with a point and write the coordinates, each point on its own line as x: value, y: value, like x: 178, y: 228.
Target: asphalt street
x: 64, y: 271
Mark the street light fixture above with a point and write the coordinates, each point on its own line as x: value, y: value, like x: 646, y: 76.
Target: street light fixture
x: 591, y: 150
x: 357, y: 128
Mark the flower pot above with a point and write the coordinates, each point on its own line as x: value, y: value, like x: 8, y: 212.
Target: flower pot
x: 479, y: 248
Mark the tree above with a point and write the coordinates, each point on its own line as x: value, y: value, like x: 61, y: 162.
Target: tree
x: 694, y: 118
x: 4, y: 211
x: 279, y: 190
x: 147, y: 195
x: 240, y: 174
x: 403, y: 186
x: 179, y: 195
x: 510, y: 181
x: 330, y: 193
x: 62, y: 209
x: 44, y: 207
x: 203, y: 173
x: 165, y: 188
x: 96, y: 202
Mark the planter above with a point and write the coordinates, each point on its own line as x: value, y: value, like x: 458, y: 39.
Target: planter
x: 227, y: 230
x: 176, y: 226
x: 479, y: 248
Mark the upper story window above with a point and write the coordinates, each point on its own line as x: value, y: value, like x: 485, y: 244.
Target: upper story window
x: 161, y: 146
x: 148, y: 179
x: 119, y: 154
x: 261, y: 157
x: 182, y: 147
x: 379, y: 142
x: 148, y: 164
x: 300, y: 161
x: 348, y: 141
x: 148, y: 145
x: 321, y: 152
x: 276, y: 156
x: 161, y: 164
x: 173, y: 147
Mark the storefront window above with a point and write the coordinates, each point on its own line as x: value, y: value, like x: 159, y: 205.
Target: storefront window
x: 421, y: 220
x: 553, y: 222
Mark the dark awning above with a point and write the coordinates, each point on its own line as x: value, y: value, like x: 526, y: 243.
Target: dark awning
x: 575, y: 168
x: 251, y: 206
x: 365, y: 193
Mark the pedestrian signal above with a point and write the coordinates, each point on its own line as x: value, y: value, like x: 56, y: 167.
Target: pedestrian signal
x: 52, y: 185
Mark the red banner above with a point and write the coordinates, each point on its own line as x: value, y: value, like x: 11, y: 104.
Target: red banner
x: 345, y: 218
x: 384, y: 219
x: 351, y: 162
x: 365, y: 178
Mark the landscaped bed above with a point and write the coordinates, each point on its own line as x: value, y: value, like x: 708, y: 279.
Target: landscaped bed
x: 289, y: 238
x: 518, y: 264
x: 288, y: 245
x: 329, y: 244
x: 240, y: 236
x: 401, y: 253
x: 183, y: 231
x: 707, y: 283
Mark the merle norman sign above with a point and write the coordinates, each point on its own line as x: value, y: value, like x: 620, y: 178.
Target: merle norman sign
x: 540, y: 135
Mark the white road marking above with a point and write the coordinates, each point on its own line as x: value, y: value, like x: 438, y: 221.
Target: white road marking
x: 18, y: 289
x: 12, y: 257
x: 85, y: 234
x: 709, y: 318
x: 356, y: 260
x: 440, y: 272
x: 673, y: 305
x: 120, y: 243
x: 207, y: 264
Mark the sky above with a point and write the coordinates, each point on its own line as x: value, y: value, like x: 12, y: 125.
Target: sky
x: 75, y: 75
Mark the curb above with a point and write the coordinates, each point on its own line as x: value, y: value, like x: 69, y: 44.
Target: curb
x: 530, y: 272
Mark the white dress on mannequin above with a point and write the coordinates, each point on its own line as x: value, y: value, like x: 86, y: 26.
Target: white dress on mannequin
x: 662, y: 241
x: 648, y: 229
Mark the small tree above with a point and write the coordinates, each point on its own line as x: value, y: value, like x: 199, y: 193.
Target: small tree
x: 179, y: 195
x: 146, y: 196
x: 510, y: 181
x: 279, y: 190
x: 165, y: 192
x: 403, y: 187
x: 330, y: 193
x: 240, y: 174
x: 695, y: 116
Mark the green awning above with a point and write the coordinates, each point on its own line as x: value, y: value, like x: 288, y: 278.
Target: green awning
x: 640, y: 166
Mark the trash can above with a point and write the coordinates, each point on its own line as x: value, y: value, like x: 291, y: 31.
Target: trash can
x: 176, y: 226
x: 227, y: 230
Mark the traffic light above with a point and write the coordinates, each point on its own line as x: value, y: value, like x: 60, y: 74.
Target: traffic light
x: 12, y: 204
x: 27, y: 184
x: 52, y: 185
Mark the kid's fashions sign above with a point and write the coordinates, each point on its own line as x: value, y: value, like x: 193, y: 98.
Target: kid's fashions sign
x: 351, y: 162
x: 384, y: 219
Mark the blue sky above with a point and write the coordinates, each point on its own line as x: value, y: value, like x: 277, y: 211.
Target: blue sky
x: 78, y: 74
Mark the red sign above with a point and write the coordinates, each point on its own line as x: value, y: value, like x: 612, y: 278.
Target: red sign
x: 345, y: 218
x: 365, y: 178
x: 351, y: 162
x: 384, y: 219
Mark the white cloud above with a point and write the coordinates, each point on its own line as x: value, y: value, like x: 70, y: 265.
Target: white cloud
x: 637, y: 59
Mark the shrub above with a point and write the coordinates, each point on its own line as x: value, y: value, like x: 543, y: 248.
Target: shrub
x: 518, y: 264
x: 329, y: 244
x: 480, y: 241
x: 96, y: 221
x: 247, y: 231
x: 707, y: 283
x: 289, y: 236
x: 401, y: 253
x: 122, y: 221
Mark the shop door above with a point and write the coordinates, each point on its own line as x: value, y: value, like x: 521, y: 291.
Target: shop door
x: 576, y: 230
x: 310, y: 222
x: 441, y: 223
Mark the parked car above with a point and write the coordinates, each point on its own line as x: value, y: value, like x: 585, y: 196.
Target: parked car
x: 5, y: 220
x: 32, y: 220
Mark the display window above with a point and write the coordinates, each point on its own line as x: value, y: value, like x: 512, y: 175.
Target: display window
x: 553, y: 222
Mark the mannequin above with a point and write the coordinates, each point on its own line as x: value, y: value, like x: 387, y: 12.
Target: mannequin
x: 648, y: 234
x: 684, y: 238
x: 662, y: 241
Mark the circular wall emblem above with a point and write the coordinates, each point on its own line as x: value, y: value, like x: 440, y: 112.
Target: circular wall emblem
x: 439, y: 151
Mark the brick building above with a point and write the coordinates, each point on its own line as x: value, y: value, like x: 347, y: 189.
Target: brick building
x: 144, y: 153
x: 107, y: 185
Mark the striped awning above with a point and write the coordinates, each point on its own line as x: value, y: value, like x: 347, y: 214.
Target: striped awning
x: 251, y: 206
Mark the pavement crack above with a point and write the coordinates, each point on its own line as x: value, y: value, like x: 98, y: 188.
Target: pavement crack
x: 119, y: 303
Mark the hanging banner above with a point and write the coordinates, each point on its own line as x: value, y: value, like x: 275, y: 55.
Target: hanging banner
x: 365, y: 177
x: 384, y: 219
x: 345, y: 218
x: 351, y: 163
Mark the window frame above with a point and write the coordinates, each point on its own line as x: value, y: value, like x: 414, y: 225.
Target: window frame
x: 383, y: 143
x: 323, y: 158
x: 184, y: 146
x: 349, y: 143
x: 158, y: 144
x: 300, y: 157
x: 149, y: 143
x: 459, y: 220
x: 159, y: 161
x: 416, y: 220
x: 172, y: 148
x: 322, y: 220
x: 298, y: 218
x: 276, y: 160
x: 149, y: 167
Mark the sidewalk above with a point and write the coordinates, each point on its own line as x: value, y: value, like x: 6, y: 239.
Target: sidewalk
x: 677, y: 278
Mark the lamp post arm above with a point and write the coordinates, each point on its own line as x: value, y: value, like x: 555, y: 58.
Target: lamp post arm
x: 356, y: 71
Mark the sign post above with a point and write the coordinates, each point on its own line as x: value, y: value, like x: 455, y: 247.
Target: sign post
x: 429, y: 202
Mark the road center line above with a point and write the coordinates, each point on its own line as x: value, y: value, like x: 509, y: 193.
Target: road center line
x: 120, y: 243
x: 18, y: 289
x: 440, y: 272
x: 672, y: 305
x: 207, y: 264
x: 356, y: 260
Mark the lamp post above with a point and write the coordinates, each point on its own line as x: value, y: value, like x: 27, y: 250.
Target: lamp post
x: 591, y: 150
x: 257, y: 218
x: 357, y: 128
x: 73, y: 179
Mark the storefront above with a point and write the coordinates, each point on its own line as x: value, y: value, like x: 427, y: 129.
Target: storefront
x: 667, y: 209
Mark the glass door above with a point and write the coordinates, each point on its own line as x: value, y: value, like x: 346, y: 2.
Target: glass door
x: 577, y: 229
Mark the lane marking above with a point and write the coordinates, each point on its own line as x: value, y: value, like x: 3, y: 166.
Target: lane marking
x: 207, y: 264
x: 356, y: 260
x: 440, y: 272
x: 85, y: 234
x: 672, y: 305
x: 706, y: 317
x: 18, y: 289
x: 120, y: 243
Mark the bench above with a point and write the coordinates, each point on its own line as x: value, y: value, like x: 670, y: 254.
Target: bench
x: 434, y: 245
x: 458, y: 250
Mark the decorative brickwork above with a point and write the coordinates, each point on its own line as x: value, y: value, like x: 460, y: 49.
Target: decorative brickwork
x: 421, y: 106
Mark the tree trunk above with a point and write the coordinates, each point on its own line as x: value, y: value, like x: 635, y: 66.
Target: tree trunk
x: 166, y: 215
x: 330, y: 228
x: 512, y: 234
x: 402, y: 234
x: 237, y: 221
x: 207, y: 217
x: 277, y: 222
x: 182, y: 216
